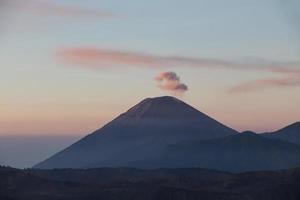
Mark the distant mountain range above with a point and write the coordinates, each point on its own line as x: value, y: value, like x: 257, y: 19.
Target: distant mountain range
x: 166, y: 132
x: 290, y: 133
x: 236, y: 153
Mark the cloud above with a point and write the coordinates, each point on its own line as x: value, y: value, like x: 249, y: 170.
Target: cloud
x: 98, y: 58
x: 170, y: 81
x: 54, y: 9
x: 292, y: 80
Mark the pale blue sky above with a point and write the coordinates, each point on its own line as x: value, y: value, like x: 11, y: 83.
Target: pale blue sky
x: 47, y: 96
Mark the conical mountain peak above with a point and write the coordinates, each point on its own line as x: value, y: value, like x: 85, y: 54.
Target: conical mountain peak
x: 165, y: 107
x: 162, y: 99
x: 141, y: 133
x: 250, y: 133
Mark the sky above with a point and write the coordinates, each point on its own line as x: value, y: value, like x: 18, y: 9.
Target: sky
x: 68, y: 67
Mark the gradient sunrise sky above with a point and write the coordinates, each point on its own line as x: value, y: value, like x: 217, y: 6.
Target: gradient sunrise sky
x: 68, y: 67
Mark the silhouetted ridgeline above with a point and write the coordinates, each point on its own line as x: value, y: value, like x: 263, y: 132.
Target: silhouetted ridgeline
x: 136, y: 184
x: 237, y: 153
x: 290, y: 134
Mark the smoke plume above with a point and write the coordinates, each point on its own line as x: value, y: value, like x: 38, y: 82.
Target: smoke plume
x: 170, y: 81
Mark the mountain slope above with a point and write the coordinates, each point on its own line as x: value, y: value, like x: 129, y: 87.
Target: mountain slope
x: 290, y: 133
x: 241, y: 152
x: 140, y: 133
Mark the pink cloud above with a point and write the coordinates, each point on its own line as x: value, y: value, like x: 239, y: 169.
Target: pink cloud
x: 98, y: 58
x: 261, y: 84
x: 170, y: 81
x: 55, y: 9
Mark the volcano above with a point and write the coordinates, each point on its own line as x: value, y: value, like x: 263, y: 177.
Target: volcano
x: 141, y: 133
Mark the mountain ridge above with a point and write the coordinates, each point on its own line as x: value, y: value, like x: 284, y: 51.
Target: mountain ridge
x: 290, y: 133
x: 234, y: 153
x: 157, y: 184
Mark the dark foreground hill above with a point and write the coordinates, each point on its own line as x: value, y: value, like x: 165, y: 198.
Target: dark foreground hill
x: 140, y: 133
x: 159, y: 184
